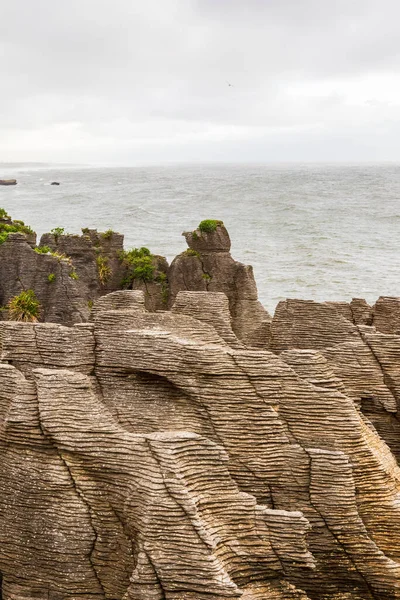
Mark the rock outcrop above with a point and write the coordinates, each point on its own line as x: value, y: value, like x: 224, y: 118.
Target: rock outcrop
x: 153, y: 455
x: 365, y: 360
x: 170, y: 442
x: 207, y: 265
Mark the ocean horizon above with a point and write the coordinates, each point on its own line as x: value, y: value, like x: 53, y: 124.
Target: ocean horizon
x: 317, y: 231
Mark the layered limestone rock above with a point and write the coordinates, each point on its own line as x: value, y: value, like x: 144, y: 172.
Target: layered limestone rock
x: 96, y: 258
x: 207, y: 265
x: 51, y: 277
x: 363, y: 359
x: 153, y: 455
x: 92, y: 510
x: 200, y: 452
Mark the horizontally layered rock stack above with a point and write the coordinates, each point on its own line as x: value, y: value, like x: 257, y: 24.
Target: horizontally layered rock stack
x: 347, y: 342
x: 173, y: 443
x: 68, y: 273
x: 208, y: 266
x: 154, y: 456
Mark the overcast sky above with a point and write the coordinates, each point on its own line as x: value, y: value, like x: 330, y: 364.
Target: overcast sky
x: 129, y: 81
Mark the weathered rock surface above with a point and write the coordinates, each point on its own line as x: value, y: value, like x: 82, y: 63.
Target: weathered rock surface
x: 201, y: 452
x: 208, y: 266
x: 363, y: 359
x: 21, y: 268
x: 154, y: 456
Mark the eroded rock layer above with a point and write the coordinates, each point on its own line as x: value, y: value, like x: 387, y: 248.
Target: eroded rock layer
x: 171, y: 442
x: 154, y: 456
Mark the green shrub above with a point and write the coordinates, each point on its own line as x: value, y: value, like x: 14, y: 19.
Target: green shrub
x: 4, y: 214
x: 51, y: 277
x: 85, y: 230
x: 103, y: 269
x: 43, y: 250
x: 206, y: 276
x: 73, y: 274
x: 209, y: 225
x: 24, y: 307
x: 140, y: 263
x: 57, y: 231
x: 107, y: 234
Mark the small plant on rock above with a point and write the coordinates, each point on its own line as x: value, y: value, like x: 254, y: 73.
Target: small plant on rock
x: 209, y: 225
x: 107, y: 234
x: 103, y: 269
x: 24, y: 307
x: 51, y: 277
x: 73, y: 274
x: 191, y: 252
x: 57, y: 231
x: 43, y: 250
x: 4, y: 214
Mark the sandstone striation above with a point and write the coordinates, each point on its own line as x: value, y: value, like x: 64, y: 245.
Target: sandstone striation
x: 188, y: 447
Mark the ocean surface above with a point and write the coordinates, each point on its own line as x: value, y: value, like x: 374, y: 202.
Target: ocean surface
x: 321, y: 232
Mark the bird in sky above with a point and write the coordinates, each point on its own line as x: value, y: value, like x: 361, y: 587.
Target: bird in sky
x: 229, y: 84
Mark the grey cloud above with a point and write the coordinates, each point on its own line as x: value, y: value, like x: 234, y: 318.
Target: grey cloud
x: 122, y: 70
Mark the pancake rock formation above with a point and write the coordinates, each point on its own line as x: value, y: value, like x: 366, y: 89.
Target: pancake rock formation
x: 172, y: 442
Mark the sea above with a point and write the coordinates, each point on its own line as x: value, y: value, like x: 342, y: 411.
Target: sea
x: 310, y: 231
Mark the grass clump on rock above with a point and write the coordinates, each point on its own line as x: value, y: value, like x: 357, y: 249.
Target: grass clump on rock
x: 191, y: 252
x: 24, y: 307
x: 58, y: 255
x: 209, y: 225
x: 103, y: 269
x: 43, y: 250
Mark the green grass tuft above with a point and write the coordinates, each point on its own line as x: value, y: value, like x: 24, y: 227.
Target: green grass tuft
x: 191, y: 252
x: 24, y: 307
x: 43, y: 250
x: 103, y: 269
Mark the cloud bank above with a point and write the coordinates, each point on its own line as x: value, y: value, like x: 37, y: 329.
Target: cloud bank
x: 127, y: 82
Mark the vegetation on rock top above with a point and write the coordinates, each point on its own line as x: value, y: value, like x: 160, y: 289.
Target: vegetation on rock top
x: 11, y: 227
x: 140, y: 263
x: 209, y: 225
